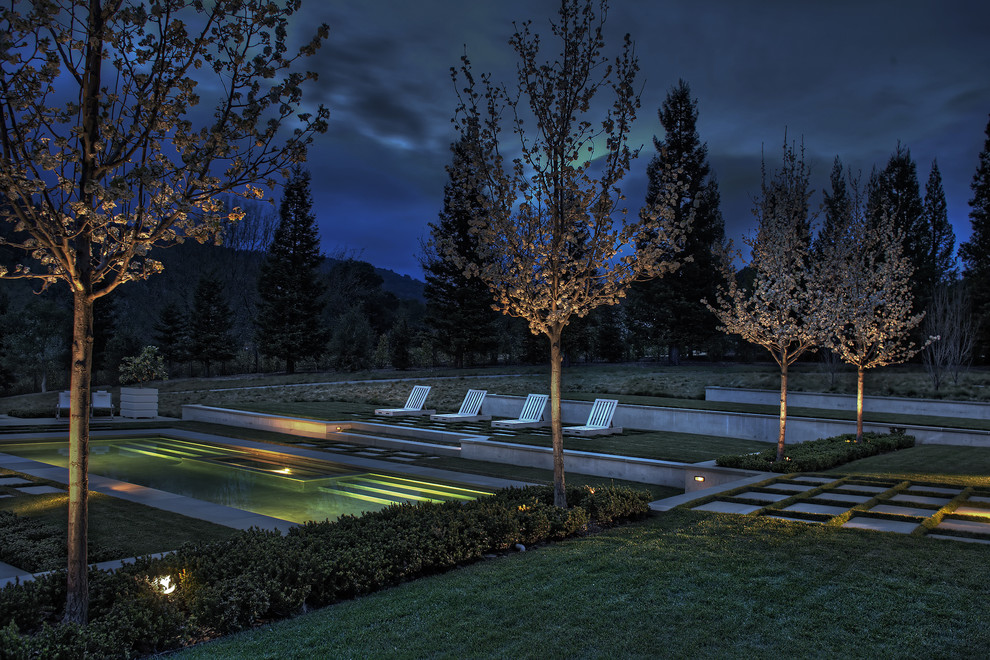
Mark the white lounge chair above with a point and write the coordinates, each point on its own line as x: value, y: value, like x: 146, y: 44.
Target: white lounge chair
x: 469, y: 409
x: 64, y: 401
x: 531, y: 416
x: 414, y: 404
x: 599, y: 420
x: 102, y: 401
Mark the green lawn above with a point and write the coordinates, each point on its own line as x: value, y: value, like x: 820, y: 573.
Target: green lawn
x: 117, y: 528
x: 682, y: 584
x: 964, y: 465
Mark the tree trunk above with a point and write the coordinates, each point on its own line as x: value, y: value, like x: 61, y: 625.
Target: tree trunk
x: 556, y: 426
x: 783, y: 410
x: 77, y: 597
x: 859, y: 405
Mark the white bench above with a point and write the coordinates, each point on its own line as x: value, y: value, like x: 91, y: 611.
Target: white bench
x: 470, y: 409
x: 531, y: 416
x: 414, y: 404
x: 599, y: 420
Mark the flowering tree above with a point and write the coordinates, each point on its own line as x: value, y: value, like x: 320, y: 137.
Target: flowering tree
x: 550, y: 248
x: 864, y: 281
x: 779, y: 311
x: 105, y: 154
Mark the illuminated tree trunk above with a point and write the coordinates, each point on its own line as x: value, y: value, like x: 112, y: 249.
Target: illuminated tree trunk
x: 556, y: 425
x: 859, y: 404
x: 77, y: 601
x: 783, y: 410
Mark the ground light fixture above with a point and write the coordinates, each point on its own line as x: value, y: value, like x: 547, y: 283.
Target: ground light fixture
x: 699, y: 478
x: 165, y: 584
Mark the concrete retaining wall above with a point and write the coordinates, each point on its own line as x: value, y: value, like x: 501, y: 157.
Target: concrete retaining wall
x: 876, y: 404
x: 747, y: 426
x: 664, y: 473
x: 307, y: 428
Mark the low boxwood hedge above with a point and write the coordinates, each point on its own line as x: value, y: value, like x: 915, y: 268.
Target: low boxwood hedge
x: 259, y: 576
x: 821, y: 454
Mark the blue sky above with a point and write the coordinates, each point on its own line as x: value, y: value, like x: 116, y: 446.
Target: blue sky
x: 850, y: 77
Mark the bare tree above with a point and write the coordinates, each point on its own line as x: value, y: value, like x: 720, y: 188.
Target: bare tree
x: 551, y: 249
x: 778, y: 311
x: 127, y: 163
x: 948, y: 318
x: 864, y: 286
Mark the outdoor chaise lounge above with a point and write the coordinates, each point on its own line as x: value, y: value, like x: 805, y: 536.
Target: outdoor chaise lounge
x: 599, y: 420
x: 64, y: 400
x: 414, y: 404
x: 531, y: 416
x: 469, y: 409
x: 102, y: 401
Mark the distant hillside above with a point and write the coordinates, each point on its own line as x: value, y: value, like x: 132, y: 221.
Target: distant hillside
x: 403, y: 286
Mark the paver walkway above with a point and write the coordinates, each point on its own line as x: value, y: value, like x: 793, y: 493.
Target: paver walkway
x: 883, y: 505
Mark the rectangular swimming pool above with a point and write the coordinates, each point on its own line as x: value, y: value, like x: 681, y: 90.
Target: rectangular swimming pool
x: 265, y: 482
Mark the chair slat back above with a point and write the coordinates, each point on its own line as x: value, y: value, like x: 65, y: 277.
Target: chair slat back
x: 472, y: 402
x: 602, y: 412
x: 533, y: 408
x: 64, y: 399
x: 102, y: 399
x: 417, y: 398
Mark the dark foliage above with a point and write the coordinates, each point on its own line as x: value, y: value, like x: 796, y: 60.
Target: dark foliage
x: 821, y: 454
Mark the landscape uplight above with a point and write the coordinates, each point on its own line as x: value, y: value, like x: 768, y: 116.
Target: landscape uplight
x: 165, y: 584
x: 699, y: 478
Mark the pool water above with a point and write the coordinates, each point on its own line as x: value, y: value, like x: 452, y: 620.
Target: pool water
x: 270, y: 483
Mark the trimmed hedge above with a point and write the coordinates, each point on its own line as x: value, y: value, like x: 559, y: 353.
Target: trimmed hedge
x: 821, y: 454
x: 260, y: 576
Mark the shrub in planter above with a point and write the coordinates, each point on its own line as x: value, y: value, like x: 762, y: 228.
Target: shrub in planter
x: 821, y: 454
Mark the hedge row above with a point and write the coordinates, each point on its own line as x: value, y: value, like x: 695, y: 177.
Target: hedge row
x: 819, y: 454
x: 260, y: 576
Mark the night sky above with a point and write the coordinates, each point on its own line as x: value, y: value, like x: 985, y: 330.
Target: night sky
x: 849, y: 77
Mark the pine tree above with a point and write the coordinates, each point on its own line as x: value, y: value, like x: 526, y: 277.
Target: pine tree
x: 288, y: 322
x: 835, y: 208
x: 172, y: 335
x: 669, y: 311
x: 459, y: 309
x: 975, y: 253
x: 399, y: 340
x: 938, y: 266
x: 212, y: 321
x: 894, y: 196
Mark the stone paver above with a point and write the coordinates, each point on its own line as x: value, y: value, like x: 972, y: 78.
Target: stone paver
x: 880, y: 525
x: 981, y: 511
x: 832, y: 496
x: 815, y: 480
x: 762, y: 497
x: 12, y: 481
x: 964, y: 526
x: 811, y: 507
x: 863, y: 489
x: 903, y: 510
x: 920, y: 499
x: 934, y: 489
x: 727, y: 507
x: 794, y: 488
x: 979, y: 498
x: 404, y: 459
x: 964, y: 539
x: 39, y: 490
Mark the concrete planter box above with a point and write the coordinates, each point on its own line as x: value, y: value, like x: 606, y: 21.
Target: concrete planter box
x: 871, y: 404
x: 138, y: 402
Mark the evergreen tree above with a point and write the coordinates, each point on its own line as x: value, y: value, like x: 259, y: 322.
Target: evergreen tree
x: 975, y: 253
x: 288, y: 322
x: 212, y: 320
x: 172, y: 335
x: 938, y: 266
x: 670, y: 311
x: 351, y: 341
x: 399, y: 341
x: 835, y: 207
x: 458, y: 309
x: 894, y: 196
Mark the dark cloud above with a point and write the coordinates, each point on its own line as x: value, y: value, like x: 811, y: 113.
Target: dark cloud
x: 852, y: 78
